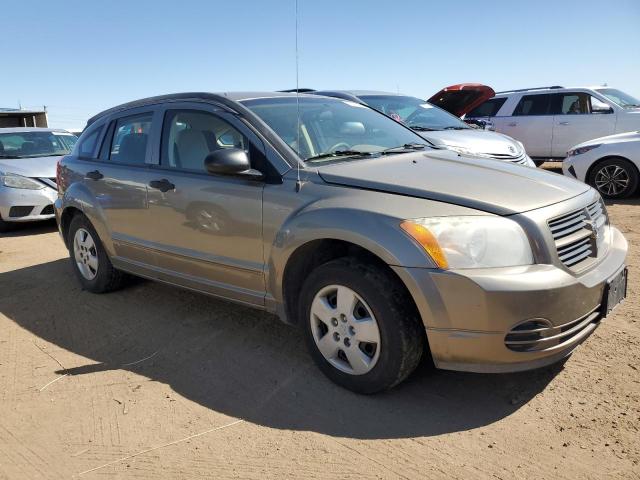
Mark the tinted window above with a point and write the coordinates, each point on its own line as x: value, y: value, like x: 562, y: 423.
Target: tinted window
x: 189, y: 136
x: 570, y: 103
x: 533, y: 105
x: 487, y: 109
x: 87, y: 143
x: 130, y: 139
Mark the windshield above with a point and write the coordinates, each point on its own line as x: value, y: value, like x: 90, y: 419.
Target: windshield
x: 332, y: 127
x: 414, y: 112
x: 621, y: 99
x: 35, y: 144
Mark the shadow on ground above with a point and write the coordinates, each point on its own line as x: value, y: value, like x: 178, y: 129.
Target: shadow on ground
x: 244, y: 363
x: 19, y: 229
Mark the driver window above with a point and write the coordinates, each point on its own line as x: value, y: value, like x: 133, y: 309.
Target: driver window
x: 190, y: 135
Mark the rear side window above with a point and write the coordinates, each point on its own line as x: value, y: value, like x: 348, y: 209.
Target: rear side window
x: 88, y: 142
x: 130, y: 139
x: 487, y: 109
x: 533, y: 105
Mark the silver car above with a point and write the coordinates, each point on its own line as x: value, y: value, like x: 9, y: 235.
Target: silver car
x: 28, y: 158
x: 438, y: 126
x: 325, y: 212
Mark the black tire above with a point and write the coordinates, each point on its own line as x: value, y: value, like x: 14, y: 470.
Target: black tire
x: 402, y: 334
x: 107, y: 278
x: 630, y: 171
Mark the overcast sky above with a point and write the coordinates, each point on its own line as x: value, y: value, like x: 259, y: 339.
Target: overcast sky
x: 80, y: 57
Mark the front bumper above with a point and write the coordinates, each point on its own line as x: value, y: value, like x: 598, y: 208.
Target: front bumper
x: 38, y: 200
x: 468, y: 313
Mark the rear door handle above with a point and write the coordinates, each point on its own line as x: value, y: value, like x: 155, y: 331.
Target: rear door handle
x: 163, y: 185
x: 512, y: 124
x: 94, y: 175
x: 563, y: 123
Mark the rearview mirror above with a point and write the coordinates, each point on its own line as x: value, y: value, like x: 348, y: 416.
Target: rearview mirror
x: 230, y: 161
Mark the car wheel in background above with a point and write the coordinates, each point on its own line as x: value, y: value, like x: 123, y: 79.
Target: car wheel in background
x: 362, y: 328
x: 89, y: 258
x: 614, y: 178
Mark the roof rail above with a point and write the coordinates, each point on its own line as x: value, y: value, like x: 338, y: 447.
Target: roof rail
x: 297, y: 90
x: 533, y: 88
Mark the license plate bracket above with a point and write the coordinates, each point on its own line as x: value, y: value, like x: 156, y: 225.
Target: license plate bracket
x: 615, y: 291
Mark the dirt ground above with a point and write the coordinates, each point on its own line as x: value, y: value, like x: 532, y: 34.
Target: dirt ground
x: 157, y: 382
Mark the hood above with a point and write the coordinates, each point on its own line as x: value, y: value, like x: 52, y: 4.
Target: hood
x: 488, y: 185
x: 43, y: 167
x: 462, y: 98
x: 479, y: 141
x: 618, y: 138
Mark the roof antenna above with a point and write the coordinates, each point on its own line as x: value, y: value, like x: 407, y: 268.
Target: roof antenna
x: 298, y: 182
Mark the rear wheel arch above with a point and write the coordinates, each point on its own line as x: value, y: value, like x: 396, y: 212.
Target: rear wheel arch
x: 66, y: 218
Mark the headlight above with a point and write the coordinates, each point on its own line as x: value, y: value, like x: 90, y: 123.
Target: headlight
x: 581, y: 150
x: 471, y: 242
x: 18, y: 181
x: 465, y: 151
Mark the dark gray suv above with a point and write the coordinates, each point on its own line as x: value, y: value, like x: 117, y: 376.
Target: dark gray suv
x: 338, y: 219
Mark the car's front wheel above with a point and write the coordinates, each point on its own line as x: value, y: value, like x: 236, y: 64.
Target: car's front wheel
x: 362, y: 329
x: 614, y: 178
x: 89, y: 258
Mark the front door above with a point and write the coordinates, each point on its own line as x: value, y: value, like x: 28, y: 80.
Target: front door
x: 576, y: 120
x: 206, y: 230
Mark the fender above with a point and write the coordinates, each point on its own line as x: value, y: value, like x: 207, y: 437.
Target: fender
x: 79, y: 196
x: 379, y: 234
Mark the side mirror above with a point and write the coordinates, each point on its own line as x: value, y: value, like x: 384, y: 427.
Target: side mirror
x: 230, y: 161
x: 601, y: 109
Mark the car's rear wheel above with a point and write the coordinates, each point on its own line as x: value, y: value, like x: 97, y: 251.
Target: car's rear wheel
x: 90, y: 260
x: 614, y: 178
x: 362, y: 329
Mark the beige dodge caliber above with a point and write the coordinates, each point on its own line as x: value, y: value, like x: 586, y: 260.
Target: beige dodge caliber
x: 380, y: 246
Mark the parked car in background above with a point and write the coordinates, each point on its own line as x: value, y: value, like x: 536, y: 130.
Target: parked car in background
x: 338, y: 219
x: 440, y: 127
x: 28, y: 158
x: 610, y: 164
x: 550, y: 120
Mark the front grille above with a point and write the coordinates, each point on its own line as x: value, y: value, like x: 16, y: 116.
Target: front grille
x: 539, y: 334
x: 519, y: 159
x: 21, y: 211
x: 578, y: 235
x: 48, y: 210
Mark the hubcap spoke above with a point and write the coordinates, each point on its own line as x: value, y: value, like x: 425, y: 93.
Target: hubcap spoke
x: 85, y: 254
x: 346, y: 301
x: 359, y: 362
x: 366, y: 330
x: 322, y: 310
x: 328, y: 346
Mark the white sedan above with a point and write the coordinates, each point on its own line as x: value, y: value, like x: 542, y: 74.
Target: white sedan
x: 609, y: 164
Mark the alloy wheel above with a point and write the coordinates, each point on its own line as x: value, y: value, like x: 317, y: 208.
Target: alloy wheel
x: 612, y: 180
x: 345, y: 330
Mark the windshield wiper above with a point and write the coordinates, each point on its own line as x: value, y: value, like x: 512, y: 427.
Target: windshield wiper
x: 339, y: 153
x: 455, y: 128
x: 407, y: 147
x: 9, y: 156
x: 419, y: 128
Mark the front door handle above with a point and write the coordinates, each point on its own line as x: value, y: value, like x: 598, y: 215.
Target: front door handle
x: 563, y: 123
x: 163, y: 185
x: 512, y: 124
x: 94, y: 175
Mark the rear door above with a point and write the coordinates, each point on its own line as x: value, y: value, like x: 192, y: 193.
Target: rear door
x: 207, y: 229
x: 575, y: 121
x: 118, y: 180
x: 532, y: 123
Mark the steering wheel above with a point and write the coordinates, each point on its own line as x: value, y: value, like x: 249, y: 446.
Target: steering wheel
x: 338, y: 145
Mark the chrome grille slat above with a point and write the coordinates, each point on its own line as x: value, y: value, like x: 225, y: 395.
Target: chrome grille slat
x: 573, y: 234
